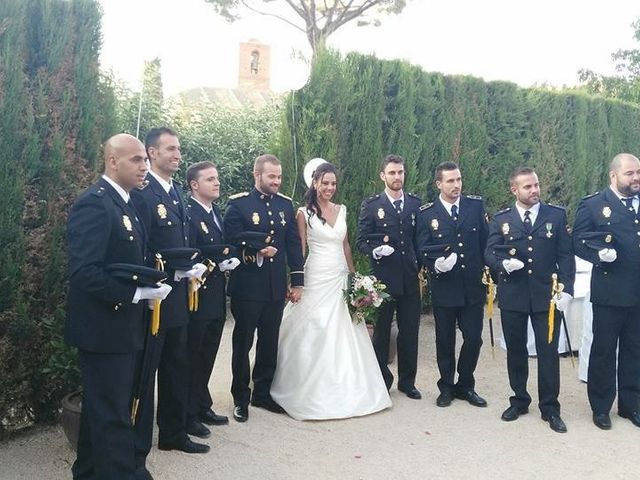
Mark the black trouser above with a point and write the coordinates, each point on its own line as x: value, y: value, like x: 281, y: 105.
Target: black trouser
x: 514, y: 327
x: 408, y: 317
x: 106, y: 443
x: 203, y: 344
x: 171, y: 361
x: 469, y: 320
x: 615, y: 327
x: 266, y: 317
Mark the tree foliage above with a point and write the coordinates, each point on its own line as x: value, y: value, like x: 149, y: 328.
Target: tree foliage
x: 625, y: 85
x: 316, y: 19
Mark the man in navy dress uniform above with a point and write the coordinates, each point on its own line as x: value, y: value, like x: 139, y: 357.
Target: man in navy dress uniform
x: 207, y: 322
x: 105, y: 315
x: 615, y: 290
x: 457, y: 223
x: 386, y: 234
x: 258, y: 287
x: 527, y: 244
x: 162, y: 211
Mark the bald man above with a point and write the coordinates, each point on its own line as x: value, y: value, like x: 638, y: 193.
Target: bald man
x: 607, y: 234
x: 105, y: 315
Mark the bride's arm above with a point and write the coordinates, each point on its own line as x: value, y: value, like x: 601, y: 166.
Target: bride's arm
x: 302, y: 230
x: 347, y: 251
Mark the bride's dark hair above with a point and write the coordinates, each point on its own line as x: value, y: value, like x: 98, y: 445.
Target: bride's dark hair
x: 311, y: 196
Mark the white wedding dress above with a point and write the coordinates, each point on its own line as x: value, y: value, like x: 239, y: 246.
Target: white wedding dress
x: 326, y: 364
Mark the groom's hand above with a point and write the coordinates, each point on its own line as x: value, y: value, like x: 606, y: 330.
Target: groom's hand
x: 294, y: 294
x: 269, y: 252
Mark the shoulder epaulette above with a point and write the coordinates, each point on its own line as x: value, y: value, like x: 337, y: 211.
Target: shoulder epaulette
x: 238, y: 195
x: 508, y: 209
x: 98, y: 191
x: 589, y: 196
x: 559, y: 207
x: 284, y: 196
x: 474, y: 197
x: 426, y: 206
x: 372, y: 198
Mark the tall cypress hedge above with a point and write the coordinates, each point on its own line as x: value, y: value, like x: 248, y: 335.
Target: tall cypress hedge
x: 356, y: 109
x: 54, y: 112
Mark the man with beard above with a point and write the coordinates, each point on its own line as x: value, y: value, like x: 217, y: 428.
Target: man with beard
x: 606, y: 233
x: 527, y: 244
x: 386, y: 234
x: 452, y: 236
x: 262, y: 225
x: 105, y: 314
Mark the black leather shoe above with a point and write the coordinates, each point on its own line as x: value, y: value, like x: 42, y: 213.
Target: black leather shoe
x: 240, y: 414
x: 556, y: 423
x: 412, y: 393
x: 633, y: 416
x: 444, y: 399
x: 472, y: 397
x: 211, y: 418
x: 185, y: 445
x: 198, y: 430
x: 602, y: 421
x: 512, y: 413
x: 268, y: 404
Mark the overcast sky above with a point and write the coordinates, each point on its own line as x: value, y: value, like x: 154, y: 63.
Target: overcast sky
x: 542, y: 41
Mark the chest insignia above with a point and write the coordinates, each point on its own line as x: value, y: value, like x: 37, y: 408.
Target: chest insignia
x: 549, y: 226
x: 204, y: 227
x: 255, y: 218
x: 606, y: 212
x: 434, y: 224
x: 381, y: 213
x: 126, y: 221
x: 283, y: 222
x: 505, y: 228
x: 162, y: 211
x: 413, y: 219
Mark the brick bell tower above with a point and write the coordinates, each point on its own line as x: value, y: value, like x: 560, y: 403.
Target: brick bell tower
x: 254, y: 70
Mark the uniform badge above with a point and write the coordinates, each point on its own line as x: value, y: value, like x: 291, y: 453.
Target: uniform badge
x: 549, y: 226
x: 162, y: 211
x: 204, y: 227
x: 126, y: 221
x: 413, y: 219
x: 381, y: 213
x: 283, y: 222
x: 505, y: 229
x: 255, y: 218
x: 434, y: 224
x: 607, y: 239
x: 606, y: 212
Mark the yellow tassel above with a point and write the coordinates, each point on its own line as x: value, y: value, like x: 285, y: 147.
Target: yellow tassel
x: 552, y: 317
x: 155, y: 315
x: 134, y: 410
x: 490, y: 300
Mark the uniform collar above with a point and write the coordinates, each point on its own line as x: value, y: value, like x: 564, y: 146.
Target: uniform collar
x: 121, y: 191
x: 448, y: 205
x: 163, y: 183
x: 206, y: 208
x: 262, y: 196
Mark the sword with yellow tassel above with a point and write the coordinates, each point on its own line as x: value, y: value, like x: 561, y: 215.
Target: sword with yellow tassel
x: 491, y: 292
x: 556, y: 289
x: 149, y: 347
x: 196, y: 283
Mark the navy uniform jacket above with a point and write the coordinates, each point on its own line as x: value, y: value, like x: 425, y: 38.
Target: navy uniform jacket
x: 204, y: 231
x: 398, y: 271
x: 102, y: 230
x: 468, y: 238
x: 617, y: 283
x: 167, y: 226
x: 545, y: 251
x: 273, y: 215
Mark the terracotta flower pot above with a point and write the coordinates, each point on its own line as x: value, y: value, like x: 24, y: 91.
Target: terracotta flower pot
x: 70, y: 418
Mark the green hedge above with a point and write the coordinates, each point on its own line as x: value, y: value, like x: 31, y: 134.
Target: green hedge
x: 54, y: 111
x: 356, y: 109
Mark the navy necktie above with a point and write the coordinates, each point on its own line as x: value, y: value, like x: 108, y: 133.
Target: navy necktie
x: 454, y: 213
x: 629, y: 203
x: 174, y: 195
x: 398, y: 205
x: 527, y: 221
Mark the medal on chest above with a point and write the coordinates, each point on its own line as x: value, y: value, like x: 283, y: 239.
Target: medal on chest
x: 283, y: 222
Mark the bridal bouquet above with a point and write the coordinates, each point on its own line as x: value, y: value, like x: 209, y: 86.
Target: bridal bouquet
x: 364, y: 296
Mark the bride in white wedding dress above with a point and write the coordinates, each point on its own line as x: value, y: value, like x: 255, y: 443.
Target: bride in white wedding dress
x: 326, y: 364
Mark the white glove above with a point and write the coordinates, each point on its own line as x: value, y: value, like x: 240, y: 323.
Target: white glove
x: 562, y: 299
x: 229, y: 264
x: 512, y: 264
x: 382, y: 251
x: 607, y: 255
x: 196, y: 272
x: 150, y: 293
x: 444, y: 265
